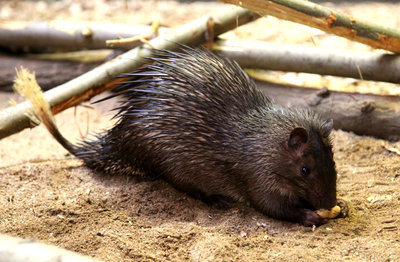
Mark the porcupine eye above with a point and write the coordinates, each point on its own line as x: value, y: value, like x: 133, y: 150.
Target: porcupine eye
x: 305, y: 171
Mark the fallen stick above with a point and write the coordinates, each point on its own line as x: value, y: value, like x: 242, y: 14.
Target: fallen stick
x: 154, y: 30
x: 14, y: 249
x: 68, y: 35
x: 295, y: 58
x: 82, y: 88
x: 363, y: 114
x: 328, y: 20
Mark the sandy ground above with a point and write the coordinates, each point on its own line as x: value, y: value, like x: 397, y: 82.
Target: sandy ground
x: 48, y: 195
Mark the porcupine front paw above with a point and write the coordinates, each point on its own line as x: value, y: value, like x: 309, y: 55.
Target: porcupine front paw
x: 311, y: 218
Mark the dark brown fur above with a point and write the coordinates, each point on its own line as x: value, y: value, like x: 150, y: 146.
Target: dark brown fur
x: 198, y: 121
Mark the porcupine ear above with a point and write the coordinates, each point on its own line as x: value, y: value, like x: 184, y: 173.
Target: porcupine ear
x: 326, y: 128
x: 297, y: 138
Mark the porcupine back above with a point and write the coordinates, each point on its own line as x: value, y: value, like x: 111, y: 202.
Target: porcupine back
x: 184, y: 103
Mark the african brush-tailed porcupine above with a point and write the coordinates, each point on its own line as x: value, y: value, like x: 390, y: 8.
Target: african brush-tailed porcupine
x: 199, y: 122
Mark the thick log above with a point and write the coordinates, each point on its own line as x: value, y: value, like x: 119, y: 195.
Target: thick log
x: 67, y: 35
x: 297, y: 58
x: 363, y: 114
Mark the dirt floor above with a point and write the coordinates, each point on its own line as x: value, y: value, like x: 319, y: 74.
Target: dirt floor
x: 48, y: 195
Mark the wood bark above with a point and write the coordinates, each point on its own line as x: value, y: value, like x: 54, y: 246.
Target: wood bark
x: 82, y: 88
x: 326, y: 19
x: 363, y: 114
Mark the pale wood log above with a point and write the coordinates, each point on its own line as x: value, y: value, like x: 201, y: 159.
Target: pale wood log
x: 48, y: 36
x: 296, y: 58
x: 328, y: 20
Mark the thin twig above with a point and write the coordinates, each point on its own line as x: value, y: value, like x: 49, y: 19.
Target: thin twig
x: 392, y: 149
x: 144, y: 38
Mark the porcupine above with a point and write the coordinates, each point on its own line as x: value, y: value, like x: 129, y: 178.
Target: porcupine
x: 199, y: 122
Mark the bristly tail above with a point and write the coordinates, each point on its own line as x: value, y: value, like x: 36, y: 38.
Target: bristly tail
x: 97, y: 154
x: 25, y: 84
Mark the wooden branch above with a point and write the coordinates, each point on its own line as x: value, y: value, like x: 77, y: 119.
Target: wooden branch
x: 363, y: 114
x: 67, y: 35
x: 14, y: 249
x: 262, y: 55
x: 154, y: 30
x: 82, y: 88
x: 328, y: 20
